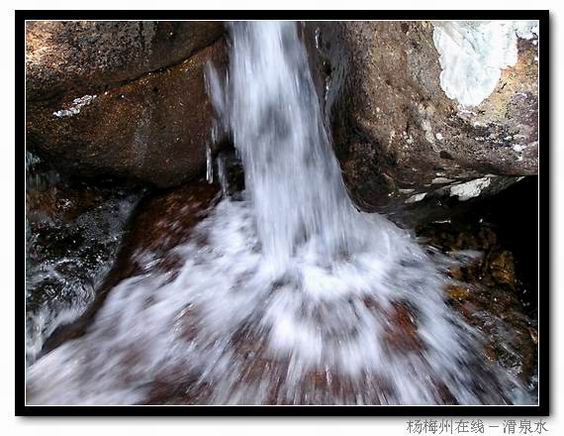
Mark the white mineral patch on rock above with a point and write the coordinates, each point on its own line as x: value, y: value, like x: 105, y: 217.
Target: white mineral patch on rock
x: 77, y: 105
x: 518, y: 147
x: 415, y: 198
x: 473, y: 53
x: 406, y: 190
x: 426, y: 125
x: 471, y: 189
x: 526, y: 29
x: 441, y: 180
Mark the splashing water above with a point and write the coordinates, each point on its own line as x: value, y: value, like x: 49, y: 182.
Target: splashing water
x: 294, y: 297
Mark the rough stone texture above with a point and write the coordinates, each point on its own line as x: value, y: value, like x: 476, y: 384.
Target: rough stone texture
x: 151, y: 117
x: 397, y: 134
x: 89, y: 56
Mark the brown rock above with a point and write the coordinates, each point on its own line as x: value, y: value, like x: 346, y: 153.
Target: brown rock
x: 89, y: 57
x: 401, y: 334
x: 502, y: 268
x: 486, y: 292
x: 396, y: 132
x: 163, y: 222
x: 143, y: 115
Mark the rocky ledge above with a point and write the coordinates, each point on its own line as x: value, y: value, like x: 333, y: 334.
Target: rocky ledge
x: 123, y: 99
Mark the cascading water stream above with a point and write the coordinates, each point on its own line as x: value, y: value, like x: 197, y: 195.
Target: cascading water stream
x: 294, y: 298
x: 270, y: 106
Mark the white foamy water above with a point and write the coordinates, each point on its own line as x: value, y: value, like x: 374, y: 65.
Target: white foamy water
x: 289, y: 296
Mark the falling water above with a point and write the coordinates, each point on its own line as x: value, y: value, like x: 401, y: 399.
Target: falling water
x: 293, y: 177
x: 294, y: 297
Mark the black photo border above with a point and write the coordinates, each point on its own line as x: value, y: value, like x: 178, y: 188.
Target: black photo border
x: 542, y: 409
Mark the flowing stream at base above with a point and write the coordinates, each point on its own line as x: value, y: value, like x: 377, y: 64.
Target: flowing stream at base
x: 288, y: 295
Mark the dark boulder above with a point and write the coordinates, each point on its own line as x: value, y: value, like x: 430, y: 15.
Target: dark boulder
x: 73, y: 231
x: 160, y: 222
x: 124, y: 99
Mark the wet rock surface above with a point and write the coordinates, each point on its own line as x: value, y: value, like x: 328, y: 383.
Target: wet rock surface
x: 73, y: 231
x: 495, y: 289
x: 486, y: 289
x: 139, y: 112
x: 266, y: 376
x: 161, y: 221
x: 398, y: 136
x: 491, y: 288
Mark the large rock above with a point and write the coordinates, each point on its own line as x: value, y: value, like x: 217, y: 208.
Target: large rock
x: 125, y: 99
x: 399, y: 136
x: 63, y: 56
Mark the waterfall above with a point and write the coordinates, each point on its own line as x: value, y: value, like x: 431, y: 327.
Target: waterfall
x: 295, y: 297
x: 271, y: 107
